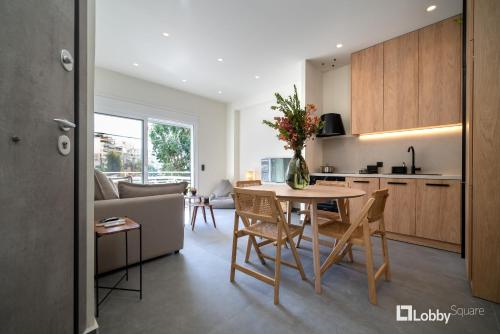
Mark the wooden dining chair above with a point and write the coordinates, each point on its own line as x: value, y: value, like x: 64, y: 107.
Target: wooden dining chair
x: 369, y: 222
x: 250, y: 183
x: 324, y: 217
x: 264, y: 209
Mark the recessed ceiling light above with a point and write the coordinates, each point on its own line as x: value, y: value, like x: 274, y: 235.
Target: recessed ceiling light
x: 184, y: 80
x: 219, y: 92
x: 220, y: 60
x: 257, y: 77
x: 135, y: 64
x: 339, y: 45
x: 165, y: 34
x: 431, y: 8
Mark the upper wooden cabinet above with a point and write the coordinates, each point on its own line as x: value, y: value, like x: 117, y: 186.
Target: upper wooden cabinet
x: 367, y: 99
x: 438, y: 210
x: 401, y: 82
x: 439, y: 62
x: 408, y: 82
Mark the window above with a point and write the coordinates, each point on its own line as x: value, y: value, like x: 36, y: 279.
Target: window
x: 143, y: 150
x: 118, y: 147
x: 169, y: 152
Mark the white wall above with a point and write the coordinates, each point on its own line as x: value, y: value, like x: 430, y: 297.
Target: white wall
x: 256, y: 140
x: 438, y: 153
x: 209, y: 114
x: 313, y: 93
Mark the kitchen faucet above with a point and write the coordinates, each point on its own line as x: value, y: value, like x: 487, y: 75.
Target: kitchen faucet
x: 413, y: 168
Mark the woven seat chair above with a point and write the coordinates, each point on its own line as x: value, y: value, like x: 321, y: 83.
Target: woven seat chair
x: 324, y: 217
x: 369, y: 222
x: 250, y: 183
x: 265, y: 211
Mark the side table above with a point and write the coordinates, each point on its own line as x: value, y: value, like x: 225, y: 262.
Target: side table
x: 100, y: 232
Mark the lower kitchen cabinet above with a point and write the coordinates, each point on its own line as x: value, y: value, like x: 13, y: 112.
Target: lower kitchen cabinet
x: 368, y: 185
x: 438, y: 210
x: 399, y: 216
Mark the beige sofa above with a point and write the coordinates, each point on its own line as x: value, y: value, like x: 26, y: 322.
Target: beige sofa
x: 161, y: 217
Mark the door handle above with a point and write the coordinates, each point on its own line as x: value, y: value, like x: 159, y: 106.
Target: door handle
x: 437, y: 184
x: 359, y: 181
x: 64, y: 124
x: 398, y: 183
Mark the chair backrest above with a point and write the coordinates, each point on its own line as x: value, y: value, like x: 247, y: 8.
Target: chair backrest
x: 331, y: 183
x: 376, y: 211
x: 256, y: 205
x: 248, y: 183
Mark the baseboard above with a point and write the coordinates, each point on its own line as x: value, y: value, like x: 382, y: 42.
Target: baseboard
x: 93, y: 329
x: 424, y: 242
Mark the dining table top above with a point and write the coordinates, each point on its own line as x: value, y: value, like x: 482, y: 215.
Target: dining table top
x: 312, y: 192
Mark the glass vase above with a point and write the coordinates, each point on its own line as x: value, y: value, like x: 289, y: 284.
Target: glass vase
x: 297, y: 174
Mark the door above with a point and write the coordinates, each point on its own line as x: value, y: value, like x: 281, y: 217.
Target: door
x: 36, y: 182
x: 438, y: 210
x: 440, y: 50
x: 367, y: 97
x: 368, y: 185
x: 399, y: 214
x: 401, y: 82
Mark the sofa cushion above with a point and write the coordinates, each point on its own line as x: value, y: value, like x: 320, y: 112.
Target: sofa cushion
x: 223, y: 189
x: 132, y: 190
x: 104, y: 188
x: 222, y: 203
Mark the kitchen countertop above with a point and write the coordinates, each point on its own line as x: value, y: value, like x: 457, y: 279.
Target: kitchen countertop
x: 396, y: 176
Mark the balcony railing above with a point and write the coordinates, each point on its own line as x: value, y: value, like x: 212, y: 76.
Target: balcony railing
x: 152, y: 177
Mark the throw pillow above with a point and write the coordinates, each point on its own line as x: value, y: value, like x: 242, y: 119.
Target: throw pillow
x: 103, y: 187
x: 132, y: 190
x: 223, y: 189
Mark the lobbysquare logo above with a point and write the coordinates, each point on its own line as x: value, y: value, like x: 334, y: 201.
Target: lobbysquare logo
x: 407, y: 313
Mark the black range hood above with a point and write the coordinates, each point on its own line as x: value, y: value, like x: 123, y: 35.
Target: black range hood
x: 332, y: 126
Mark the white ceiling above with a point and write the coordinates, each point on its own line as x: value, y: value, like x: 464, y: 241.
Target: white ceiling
x: 254, y: 37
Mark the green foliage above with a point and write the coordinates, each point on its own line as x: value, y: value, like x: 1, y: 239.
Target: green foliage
x: 297, y: 124
x: 114, y: 161
x: 171, y: 146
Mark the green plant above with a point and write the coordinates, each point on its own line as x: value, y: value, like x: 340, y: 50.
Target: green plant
x: 298, y: 124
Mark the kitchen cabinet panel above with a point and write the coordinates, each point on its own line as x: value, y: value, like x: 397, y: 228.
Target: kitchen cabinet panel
x: 439, y: 60
x: 367, y: 184
x: 399, y: 216
x: 438, y: 210
x: 401, y: 82
x: 367, y: 94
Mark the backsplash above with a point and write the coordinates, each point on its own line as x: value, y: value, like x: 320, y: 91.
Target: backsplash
x: 439, y: 153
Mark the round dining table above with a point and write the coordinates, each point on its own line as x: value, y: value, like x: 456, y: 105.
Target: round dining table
x: 313, y: 195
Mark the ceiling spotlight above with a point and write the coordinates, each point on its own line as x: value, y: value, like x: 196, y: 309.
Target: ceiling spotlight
x: 184, y: 80
x: 220, y: 60
x: 135, y: 64
x: 257, y: 77
x: 339, y: 45
x: 431, y: 8
x: 165, y: 34
x: 219, y: 92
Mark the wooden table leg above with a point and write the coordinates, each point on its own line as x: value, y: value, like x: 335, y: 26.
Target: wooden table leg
x: 289, y: 212
x: 212, y: 213
x: 315, y: 244
x: 342, y: 205
x: 204, y: 214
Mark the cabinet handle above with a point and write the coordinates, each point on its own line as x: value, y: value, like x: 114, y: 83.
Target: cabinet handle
x: 437, y: 184
x: 398, y: 183
x: 361, y: 181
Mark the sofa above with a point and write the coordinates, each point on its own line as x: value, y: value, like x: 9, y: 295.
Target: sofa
x: 158, y: 208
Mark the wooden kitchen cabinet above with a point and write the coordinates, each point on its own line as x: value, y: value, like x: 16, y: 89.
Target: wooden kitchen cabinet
x: 367, y: 100
x: 401, y: 82
x: 399, y: 216
x: 368, y: 185
x: 439, y: 59
x: 438, y: 210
